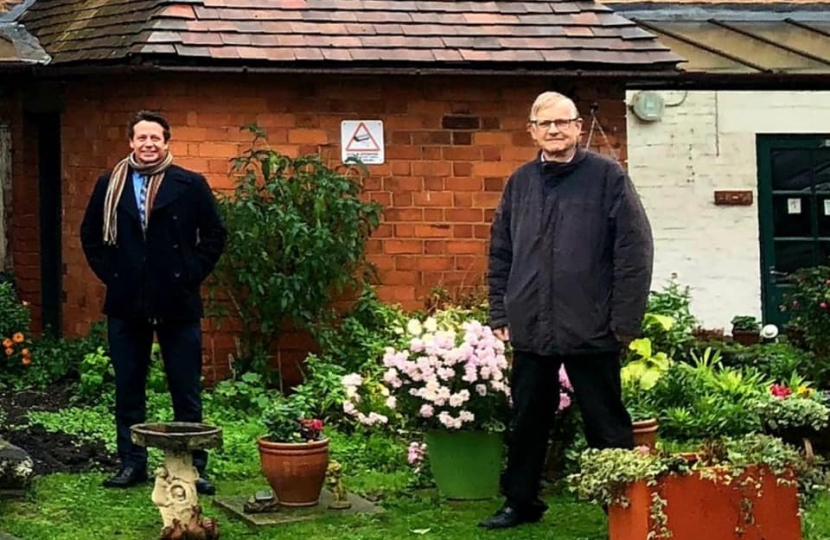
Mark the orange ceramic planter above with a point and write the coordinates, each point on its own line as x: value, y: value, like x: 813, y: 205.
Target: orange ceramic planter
x: 702, y: 509
x: 645, y: 433
x: 295, y: 471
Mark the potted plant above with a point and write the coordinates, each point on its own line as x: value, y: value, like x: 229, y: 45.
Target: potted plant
x: 294, y: 454
x: 643, y: 368
x: 795, y: 416
x: 746, y: 330
x: 743, y: 488
x: 447, y: 376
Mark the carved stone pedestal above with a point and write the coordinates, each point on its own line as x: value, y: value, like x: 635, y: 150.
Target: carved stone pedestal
x: 175, y: 492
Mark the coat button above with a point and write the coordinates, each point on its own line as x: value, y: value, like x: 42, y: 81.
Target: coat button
x: 175, y: 217
x: 175, y: 246
x: 177, y: 274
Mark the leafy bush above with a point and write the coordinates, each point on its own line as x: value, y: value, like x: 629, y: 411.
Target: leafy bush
x: 674, y: 302
x: 322, y: 391
x: 778, y: 360
x: 14, y: 314
x: 297, y: 233
x: 15, y: 321
x: 807, y: 305
x: 240, y: 398
x: 372, y: 451
x: 59, y: 359
x: 708, y: 400
x: 357, y: 341
x: 745, y: 323
x: 793, y: 412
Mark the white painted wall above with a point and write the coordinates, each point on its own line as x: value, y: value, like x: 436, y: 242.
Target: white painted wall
x: 706, y: 142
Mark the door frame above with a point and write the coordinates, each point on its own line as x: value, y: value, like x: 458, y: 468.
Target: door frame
x: 764, y: 145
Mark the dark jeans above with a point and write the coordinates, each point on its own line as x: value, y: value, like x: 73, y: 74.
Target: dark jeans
x: 130, y: 345
x: 535, y: 391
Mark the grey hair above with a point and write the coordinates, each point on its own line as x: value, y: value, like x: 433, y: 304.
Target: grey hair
x: 549, y: 98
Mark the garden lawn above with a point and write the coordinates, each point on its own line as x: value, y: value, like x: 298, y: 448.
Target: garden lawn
x: 75, y: 507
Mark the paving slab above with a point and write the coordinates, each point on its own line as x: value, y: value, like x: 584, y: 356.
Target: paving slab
x: 234, y: 507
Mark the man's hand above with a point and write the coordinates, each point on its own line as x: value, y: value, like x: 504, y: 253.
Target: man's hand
x: 502, y: 333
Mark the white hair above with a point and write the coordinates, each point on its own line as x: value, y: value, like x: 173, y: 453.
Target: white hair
x: 550, y: 98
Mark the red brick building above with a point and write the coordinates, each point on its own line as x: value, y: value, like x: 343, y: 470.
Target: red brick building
x: 451, y: 81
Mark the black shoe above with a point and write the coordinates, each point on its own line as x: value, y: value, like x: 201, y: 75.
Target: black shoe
x: 507, y: 517
x: 204, y: 487
x: 128, y: 476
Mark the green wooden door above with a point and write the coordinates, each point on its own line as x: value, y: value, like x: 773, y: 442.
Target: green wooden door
x: 794, y: 211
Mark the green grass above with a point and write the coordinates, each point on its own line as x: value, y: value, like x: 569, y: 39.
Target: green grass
x: 75, y: 507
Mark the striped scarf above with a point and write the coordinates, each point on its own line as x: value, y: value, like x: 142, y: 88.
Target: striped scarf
x: 116, y: 187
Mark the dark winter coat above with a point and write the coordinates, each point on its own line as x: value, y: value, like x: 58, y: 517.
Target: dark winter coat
x: 158, y: 277
x: 570, y: 257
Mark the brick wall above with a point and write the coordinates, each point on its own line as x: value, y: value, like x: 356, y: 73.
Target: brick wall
x: 450, y: 145
x: 706, y: 142
x: 21, y: 203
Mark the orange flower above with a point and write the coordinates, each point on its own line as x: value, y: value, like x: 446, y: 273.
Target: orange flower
x: 26, y: 361
x: 9, y: 352
x: 26, y: 353
x: 18, y: 337
x: 7, y: 343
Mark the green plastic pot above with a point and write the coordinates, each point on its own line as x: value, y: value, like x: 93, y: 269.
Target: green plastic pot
x: 466, y: 465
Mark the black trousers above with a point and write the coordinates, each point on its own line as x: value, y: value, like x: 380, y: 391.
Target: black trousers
x: 535, y: 390
x: 130, y: 345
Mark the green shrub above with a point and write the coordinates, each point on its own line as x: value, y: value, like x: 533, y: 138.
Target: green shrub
x: 807, y: 305
x: 673, y: 301
x: 297, y: 236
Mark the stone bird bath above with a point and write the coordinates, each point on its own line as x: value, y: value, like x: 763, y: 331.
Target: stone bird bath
x: 175, y: 487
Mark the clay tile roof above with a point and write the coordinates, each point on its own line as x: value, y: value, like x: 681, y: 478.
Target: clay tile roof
x: 345, y: 32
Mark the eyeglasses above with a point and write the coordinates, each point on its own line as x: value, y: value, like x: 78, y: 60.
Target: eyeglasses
x: 560, y: 124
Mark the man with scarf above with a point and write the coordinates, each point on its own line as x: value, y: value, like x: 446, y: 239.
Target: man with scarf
x: 569, y: 275
x: 152, y: 233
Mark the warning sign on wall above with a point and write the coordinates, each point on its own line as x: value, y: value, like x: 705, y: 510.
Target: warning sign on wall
x: 362, y: 139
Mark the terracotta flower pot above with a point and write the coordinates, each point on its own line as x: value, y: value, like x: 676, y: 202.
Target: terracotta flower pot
x: 295, y: 471
x: 746, y: 338
x: 645, y: 433
x: 699, y: 507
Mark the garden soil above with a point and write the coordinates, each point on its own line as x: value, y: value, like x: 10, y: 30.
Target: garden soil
x: 50, y: 452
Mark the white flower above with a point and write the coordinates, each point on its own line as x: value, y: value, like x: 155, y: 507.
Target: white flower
x: 391, y: 402
x: 446, y: 373
x: 352, y: 379
x: 349, y: 408
x: 431, y: 325
x: 446, y: 419
x: 426, y: 411
x: 414, y: 327
x: 481, y: 390
x: 456, y: 400
x: 466, y: 416
x: 376, y: 418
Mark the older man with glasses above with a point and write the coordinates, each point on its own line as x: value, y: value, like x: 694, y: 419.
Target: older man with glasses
x: 569, y: 274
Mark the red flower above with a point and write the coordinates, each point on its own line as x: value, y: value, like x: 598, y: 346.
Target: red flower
x: 780, y: 391
x: 823, y: 305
